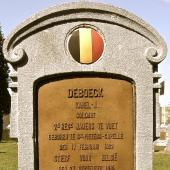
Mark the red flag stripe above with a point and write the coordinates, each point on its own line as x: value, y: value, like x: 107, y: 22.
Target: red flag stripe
x: 97, y: 45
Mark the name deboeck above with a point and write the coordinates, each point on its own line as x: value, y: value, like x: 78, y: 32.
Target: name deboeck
x: 85, y: 93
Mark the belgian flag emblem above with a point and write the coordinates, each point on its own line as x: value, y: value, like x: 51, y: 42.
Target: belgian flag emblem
x: 86, y: 45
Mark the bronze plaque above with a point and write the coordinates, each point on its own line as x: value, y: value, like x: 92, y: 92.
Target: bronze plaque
x: 86, y: 124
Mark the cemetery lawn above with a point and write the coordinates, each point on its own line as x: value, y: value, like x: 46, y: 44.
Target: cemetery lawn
x: 8, y: 155
x: 161, y: 161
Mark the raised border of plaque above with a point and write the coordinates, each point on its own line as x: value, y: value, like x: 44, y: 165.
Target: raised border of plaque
x: 106, y: 76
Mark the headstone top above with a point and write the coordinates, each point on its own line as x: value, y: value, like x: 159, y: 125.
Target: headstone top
x: 81, y: 11
x: 83, y: 76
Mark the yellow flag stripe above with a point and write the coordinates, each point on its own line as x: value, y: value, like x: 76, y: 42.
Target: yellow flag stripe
x: 85, y: 45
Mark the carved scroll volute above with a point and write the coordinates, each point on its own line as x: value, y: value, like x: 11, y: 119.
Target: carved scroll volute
x: 16, y: 55
x: 155, y: 55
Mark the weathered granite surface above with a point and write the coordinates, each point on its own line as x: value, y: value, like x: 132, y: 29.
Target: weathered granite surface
x: 38, y: 48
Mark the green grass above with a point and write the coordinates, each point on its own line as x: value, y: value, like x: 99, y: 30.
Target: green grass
x: 8, y: 157
x: 161, y: 161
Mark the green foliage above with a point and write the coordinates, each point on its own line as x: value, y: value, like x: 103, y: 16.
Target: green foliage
x: 4, y: 95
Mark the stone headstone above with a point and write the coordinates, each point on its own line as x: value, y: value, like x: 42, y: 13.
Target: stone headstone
x: 168, y: 139
x: 163, y: 135
x: 168, y: 131
x: 82, y: 88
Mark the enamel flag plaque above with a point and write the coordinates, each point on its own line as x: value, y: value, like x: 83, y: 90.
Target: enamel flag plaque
x: 82, y: 124
x: 86, y: 45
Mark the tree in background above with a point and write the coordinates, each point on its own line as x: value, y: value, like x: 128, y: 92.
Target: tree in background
x: 4, y: 94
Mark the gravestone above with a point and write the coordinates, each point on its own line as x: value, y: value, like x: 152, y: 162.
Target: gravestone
x: 168, y: 139
x: 84, y: 88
